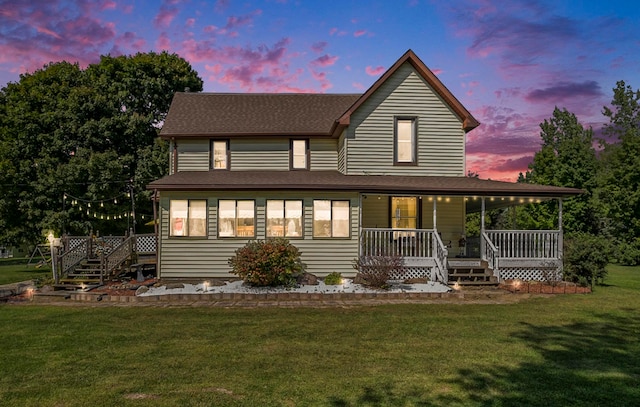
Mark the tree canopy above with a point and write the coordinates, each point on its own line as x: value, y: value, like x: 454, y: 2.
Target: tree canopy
x: 74, y: 143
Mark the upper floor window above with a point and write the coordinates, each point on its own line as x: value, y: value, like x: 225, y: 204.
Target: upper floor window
x: 299, y: 155
x: 330, y: 218
x: 236, y: 218
x: 188, y: 217
x: 284, y: 218
x: 220, y: 154
x: 405, y: 141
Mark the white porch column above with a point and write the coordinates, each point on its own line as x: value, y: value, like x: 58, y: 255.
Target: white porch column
x: 435, y: 227
x: 482, y: 242
x: 560, y: 233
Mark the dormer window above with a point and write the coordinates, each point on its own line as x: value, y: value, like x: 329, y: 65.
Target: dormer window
x: 405, y: 144
x: 299, y: 151
x: 220, y: 154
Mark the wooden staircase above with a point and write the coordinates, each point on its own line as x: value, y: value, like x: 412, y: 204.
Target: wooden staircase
x: 470, y: 272
x: 85, y: 275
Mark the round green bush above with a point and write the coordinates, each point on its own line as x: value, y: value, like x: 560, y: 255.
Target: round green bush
x: 268, y: 263
x: 333, y: 278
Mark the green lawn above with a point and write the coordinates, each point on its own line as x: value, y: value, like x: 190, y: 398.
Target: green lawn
x: 568, y: 350
x: 14, y: 273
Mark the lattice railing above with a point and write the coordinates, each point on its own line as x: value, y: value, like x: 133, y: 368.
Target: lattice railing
x: 118, y: 255
x: 146, y: 243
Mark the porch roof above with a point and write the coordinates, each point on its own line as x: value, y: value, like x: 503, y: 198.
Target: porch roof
x: 336, y: 181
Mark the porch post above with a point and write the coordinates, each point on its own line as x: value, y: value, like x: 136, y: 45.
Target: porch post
x: 360, y: 225
x: 560, y: 233
x: 435, y: 227
x: 482, y: 242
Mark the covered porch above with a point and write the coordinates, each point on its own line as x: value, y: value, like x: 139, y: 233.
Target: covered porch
x: 429, y: 233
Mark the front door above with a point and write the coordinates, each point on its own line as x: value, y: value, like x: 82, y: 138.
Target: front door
x: 404, y: 212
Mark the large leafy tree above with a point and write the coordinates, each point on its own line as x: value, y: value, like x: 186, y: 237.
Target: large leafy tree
x: 88, y: 135
x: 567, y: 158
x: 620, y: 192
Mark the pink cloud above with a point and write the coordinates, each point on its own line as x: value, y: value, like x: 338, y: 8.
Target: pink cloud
x: 437, y: 71
x: 165, y: 16
x: 374, y: 71
x: 359, y: 33
x: 190, y: 22
x: 335, y: 31
x: 318, y: 46
x: 108, y: 5
x: 32, y: 36
x: 324, y: 60
x: 163, y: 42
x: 358, y: 85
x: 239, y: 21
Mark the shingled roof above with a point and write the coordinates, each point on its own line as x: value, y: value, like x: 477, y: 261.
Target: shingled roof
x: 252, y: 114
x: 336, y: 181
x: 283, y: 114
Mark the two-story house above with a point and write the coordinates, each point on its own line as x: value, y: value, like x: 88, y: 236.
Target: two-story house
x: 340, y: 176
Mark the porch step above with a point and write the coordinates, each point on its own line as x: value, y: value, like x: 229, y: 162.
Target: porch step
x: 471, y: 272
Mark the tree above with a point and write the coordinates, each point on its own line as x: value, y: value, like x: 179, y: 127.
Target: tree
x: 567, y: 158
x: 620, y: 180
x: 88, y: 135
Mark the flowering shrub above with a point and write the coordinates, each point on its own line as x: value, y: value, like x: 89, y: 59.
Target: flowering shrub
x: 377, y: 270
x: 264, y: 263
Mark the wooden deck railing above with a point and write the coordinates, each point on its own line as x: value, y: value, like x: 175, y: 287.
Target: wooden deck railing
x: 491, y: 254
x: 526, y: 244
x: 406, y: 243
x: 112, y: 251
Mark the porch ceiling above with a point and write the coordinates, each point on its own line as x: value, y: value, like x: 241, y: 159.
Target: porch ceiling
x: 336, y: 181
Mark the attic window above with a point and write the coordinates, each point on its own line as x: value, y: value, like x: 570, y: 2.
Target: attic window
x: 405, y: 131
x: 220, y: 154
x: 299, y: 155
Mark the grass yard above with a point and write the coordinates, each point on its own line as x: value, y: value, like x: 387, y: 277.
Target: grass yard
x: 568, y: 350
x: 14, y: 273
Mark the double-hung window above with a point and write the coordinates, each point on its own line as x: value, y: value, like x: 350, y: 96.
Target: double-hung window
x: 284, y: 218
x: 331, y: 218
x: 188, y: 217
x: 220, y: 154
x: 236, y: 218
x: 405, y: 140
x: 299, y: 159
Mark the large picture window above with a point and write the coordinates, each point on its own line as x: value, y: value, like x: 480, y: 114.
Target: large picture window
x: 220, y: 154
x: 405, y: 141
x: 236, y: 218
x: 188, y: 217
x: 331, y: 218
x: 284, y: 218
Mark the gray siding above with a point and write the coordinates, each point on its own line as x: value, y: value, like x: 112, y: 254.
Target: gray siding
x: 323, y: 154
x: 342, y: 152
x: 440, y: 134
x: 259, y: 154
x: 193, y: 155
x: 208, y: 257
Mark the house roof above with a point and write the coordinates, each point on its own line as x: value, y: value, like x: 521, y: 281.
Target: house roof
x: 336, y: 181
x: 468, y: 121
x: 282, y: 114
x: 253, y: 114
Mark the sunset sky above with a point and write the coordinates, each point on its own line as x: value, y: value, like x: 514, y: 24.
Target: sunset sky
x: 508, y: 62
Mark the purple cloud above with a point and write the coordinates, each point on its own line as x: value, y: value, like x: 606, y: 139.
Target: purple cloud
x: 565, y: 90
x: 165, y: 16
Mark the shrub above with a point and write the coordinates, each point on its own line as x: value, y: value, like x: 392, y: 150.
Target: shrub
x: 273, y: 262
x: 333, y: 278
x: 377, y: 270
x: 585, y: 258
x: 628, y: 254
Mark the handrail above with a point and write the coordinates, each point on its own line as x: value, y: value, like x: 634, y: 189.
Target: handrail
x: 441, y: 253
x: 69, y: 259
x: 491, y: 255
x: 117, y: 256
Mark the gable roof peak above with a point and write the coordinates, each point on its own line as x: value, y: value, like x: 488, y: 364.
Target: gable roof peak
x: 468, y: 121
